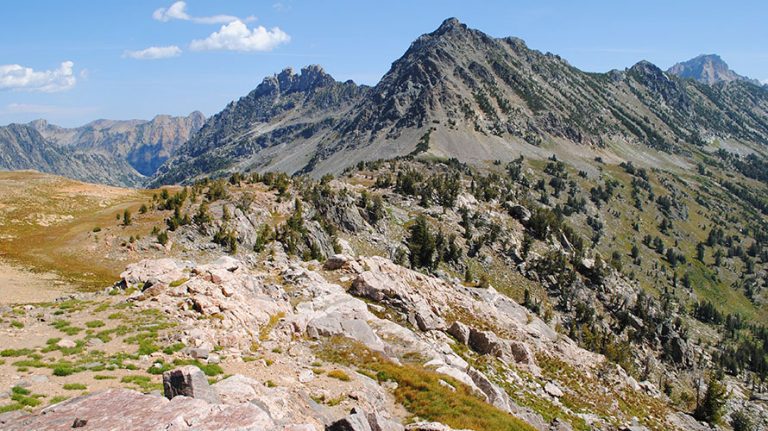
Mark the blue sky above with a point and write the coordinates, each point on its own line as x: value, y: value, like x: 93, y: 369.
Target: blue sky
x: 75, y: 61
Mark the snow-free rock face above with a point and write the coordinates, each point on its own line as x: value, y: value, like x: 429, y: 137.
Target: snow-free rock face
x: 708, y: 69
x: 145, y: 145
x: 240, y: 300
x: 188, y: 381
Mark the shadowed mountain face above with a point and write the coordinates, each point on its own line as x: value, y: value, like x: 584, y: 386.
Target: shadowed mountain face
x: 23, y: 147
x: 708, y: 69
x: 104, y: 151
x: 457, y: 92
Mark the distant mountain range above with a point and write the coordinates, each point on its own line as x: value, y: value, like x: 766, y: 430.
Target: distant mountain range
x: 104, y: 151
x: 455, y: 93
x: 708, y: 69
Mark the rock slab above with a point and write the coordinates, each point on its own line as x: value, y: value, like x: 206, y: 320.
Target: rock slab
x: 188, y: 381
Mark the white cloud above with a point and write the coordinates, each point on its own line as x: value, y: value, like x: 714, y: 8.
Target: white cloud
x: 178, y: 11
x: 236, y: 36
x: 17, y: 77
x: 765, y: 81
x: 154, y: 53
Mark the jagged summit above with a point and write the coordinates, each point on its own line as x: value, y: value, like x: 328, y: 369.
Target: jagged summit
x: 708, y: 69
x: 647, y: 69
x: 450, y: 24
x: 288, y: 81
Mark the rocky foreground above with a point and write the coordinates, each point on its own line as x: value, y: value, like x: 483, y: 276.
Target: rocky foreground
x: 388, y: 332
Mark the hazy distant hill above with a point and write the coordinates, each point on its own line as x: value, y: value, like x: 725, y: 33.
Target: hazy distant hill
x: 708, y: 69
x: 104, y: 151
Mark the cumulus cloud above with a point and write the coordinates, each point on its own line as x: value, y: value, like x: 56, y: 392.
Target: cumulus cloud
x: 17, y: 77
x: 154, y: 53
x: 178, y: 11
x: 236, y: 36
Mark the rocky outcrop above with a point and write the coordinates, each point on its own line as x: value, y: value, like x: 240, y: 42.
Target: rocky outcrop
x: 488, y: 343
x: 519, y: 212
x: 188, y: 381
x: 229, y: 303
x: 388, y: 288
x: 359, y: 420
x: 126, y: 410
x: 239, y: 301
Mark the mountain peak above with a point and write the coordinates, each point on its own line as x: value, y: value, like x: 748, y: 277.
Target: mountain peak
x: 644, y: 65
x: 706, y: 68
x: 39, y: 124
x: 647, y: 69
x: 288, y: 81
x: 451, y: 24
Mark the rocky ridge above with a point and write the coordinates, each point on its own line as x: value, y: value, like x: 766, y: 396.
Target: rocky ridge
x: 459, y: 93
x: 145, y: 145
x: 22, y: 147
x: 229, y: 305
x: 119, y: 153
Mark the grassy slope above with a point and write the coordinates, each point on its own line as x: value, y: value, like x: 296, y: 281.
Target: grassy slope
x: 47, y: 224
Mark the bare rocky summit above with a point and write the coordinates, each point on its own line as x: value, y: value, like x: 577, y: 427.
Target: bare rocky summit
x: 708, y: 69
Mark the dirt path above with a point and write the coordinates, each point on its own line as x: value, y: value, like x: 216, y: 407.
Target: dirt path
x: 18, y: 286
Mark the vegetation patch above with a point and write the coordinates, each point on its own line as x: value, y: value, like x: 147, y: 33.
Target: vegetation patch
x: 420, y: 390
x: 74, y: 387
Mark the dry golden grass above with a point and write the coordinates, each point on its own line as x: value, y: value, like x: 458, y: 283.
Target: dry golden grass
x: 47, y: 225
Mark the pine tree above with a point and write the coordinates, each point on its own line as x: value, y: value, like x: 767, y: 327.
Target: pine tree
x: 710, y: 409
x: 202, y: 217
x: 421, y: 244
x: 740, y: 421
